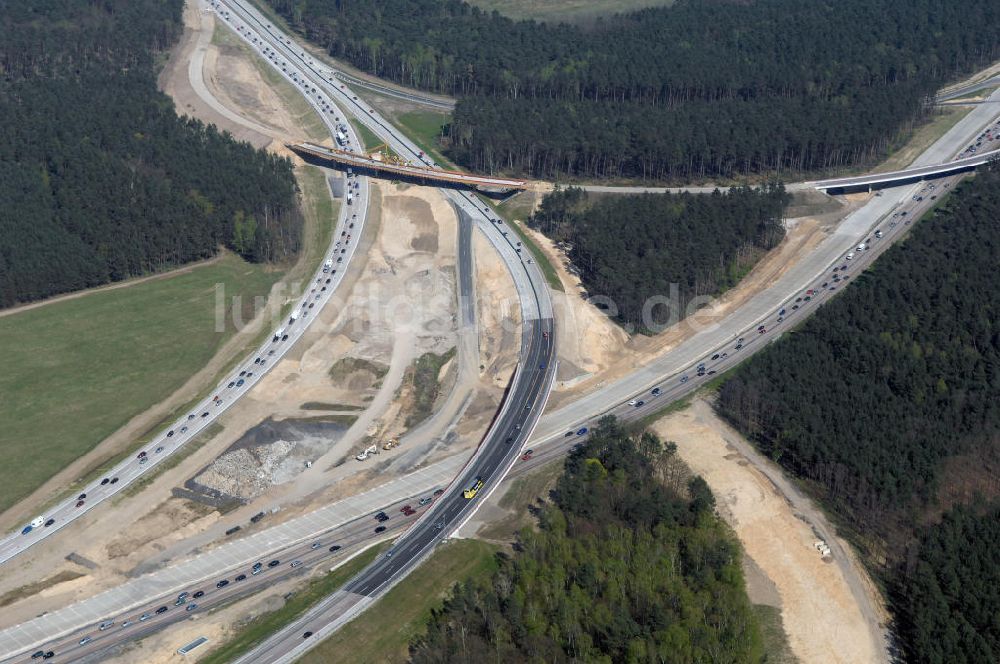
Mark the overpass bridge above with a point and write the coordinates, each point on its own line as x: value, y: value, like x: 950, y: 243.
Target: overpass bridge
x: 422, y: 174
x: 905, y: 176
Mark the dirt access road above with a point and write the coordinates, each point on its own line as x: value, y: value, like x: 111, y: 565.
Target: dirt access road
x: 831, y: 610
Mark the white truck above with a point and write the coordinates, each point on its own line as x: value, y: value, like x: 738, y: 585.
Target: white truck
x: 295, y: 316
x: 350, y: 197
x: 862, y: 247
x: 341, y: 138
x: 279, y: 333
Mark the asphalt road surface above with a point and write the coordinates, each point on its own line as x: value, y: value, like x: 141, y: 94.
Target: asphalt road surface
x: 91, y: 644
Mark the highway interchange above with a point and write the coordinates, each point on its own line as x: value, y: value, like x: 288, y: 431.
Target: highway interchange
x: 496, y: 455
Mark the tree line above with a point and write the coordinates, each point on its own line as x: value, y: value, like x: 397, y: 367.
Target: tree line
x: 676, y: 248
x: 100, y: 180
x: 629, y: 564
x: 887, y: 402
x: 689, y: 90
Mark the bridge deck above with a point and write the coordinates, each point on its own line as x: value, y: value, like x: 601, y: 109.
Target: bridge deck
x: 353, y: 159
x: 906, y: 174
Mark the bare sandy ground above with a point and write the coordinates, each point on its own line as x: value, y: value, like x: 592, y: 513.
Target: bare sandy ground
x: 829, y: 606
x: 190, y: 95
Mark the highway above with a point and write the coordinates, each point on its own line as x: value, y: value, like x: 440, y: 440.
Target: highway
x: 536, y: 371
x: 558, y: 430
x: 527, y: 393
x: 349, y: 226
x: 91, y: 643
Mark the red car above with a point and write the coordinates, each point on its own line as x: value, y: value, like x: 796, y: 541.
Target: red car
x: 527, y: 455
x: 79, y: 503
x: 406, y: 508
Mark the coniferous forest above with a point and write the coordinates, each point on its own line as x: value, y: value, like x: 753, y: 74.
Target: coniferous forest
x: 697, y: 88
x: 888, y: 402
x: 672, y: 247
x: 629, y: 564
x: 100, y: 180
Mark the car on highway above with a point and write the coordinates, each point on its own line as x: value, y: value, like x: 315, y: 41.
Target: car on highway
x: 424, y: 501
x: 107, y: 624
x: 306, y: 635
x: 200, y: 593
x: 126, y: 623
x: 527, y: 455
x: 79, y: 503
x: 473, y: 488
x: 241, y: 577
x: 85, y: 640
x: 438, y: 492
x: 632, y: 402
x: 295, y: 563
x: 582, y: 431
x: 380, y: 529
x: 274, y: 563
x: 222, y: 584
x: 144, y: 617
x: 335, y: 547
x: 405, y: 508
x: 191, y: 607
x: 162, y: 609
x: 655, y: 392
x: 160, y: 448
x: 49, y: 522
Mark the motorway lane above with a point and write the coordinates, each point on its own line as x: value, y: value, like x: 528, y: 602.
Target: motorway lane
x: 686, y: 379
x: 353, y: 538
x: 349, y: 226
x: 490, y: 464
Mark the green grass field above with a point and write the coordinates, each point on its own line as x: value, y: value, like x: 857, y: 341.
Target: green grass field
x: 424, y: 128
x: 383, y: 633
x: 81, y: 368
x: 368, y: 138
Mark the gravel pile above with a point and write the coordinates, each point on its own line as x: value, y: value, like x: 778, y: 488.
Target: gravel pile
x: 247, y: 472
